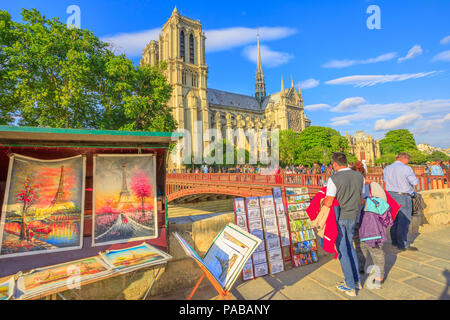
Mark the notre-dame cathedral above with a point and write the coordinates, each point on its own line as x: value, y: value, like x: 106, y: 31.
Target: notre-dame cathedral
x: 181, y: 45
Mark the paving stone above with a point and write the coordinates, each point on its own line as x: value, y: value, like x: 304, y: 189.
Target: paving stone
x: 256, y: 289
x: 307, y: 289
x: 416, y: 256
x: 325, y: 277
x: 432, y: 248
x: 395, y: 290
x: 427, y: 286
x: 421, y: 269
x: 440, y: 263
x: 398, y: 274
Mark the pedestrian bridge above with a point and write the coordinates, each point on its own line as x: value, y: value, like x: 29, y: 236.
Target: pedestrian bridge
x: 190, y: 187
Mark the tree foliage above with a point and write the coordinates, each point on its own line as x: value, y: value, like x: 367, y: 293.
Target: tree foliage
x: 396, y: 141
x: 314, y: 144
x: 62, y: 77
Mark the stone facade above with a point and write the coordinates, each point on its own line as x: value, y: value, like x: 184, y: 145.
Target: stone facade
x: 181, y: 45
x: 364, y: 147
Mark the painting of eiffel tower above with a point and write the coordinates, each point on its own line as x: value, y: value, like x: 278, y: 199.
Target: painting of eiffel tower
x: 124, y: 196
x: 59, y: 196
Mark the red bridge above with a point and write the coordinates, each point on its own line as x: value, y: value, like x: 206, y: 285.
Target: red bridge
x: 187, y: 187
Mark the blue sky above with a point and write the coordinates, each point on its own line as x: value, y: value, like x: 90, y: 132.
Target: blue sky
x: 352, y: 77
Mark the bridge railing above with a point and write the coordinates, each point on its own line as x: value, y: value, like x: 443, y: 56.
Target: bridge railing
x: 314, y: 181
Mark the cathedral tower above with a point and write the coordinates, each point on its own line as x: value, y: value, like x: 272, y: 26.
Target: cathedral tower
x: 260, y: 86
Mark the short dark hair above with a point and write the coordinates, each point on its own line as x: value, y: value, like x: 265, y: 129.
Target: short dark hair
x: 340, y: 158
x: 403, y: 155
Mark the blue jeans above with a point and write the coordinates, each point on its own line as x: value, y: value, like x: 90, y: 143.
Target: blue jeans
x: 346, y: 251
x: 400, y: 228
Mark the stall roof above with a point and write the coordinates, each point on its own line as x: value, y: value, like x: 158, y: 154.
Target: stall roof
x: 54, y: 136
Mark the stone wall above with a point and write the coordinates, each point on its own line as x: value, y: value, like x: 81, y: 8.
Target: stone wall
x: 437, y: 206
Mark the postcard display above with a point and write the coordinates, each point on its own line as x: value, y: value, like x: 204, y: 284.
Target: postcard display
x: 303, y: 237
x: 261, y: 221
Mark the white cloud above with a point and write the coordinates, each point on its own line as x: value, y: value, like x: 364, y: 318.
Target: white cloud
x: 445, y: 40
x: 320, y: 106
x: 377, y: 111
x: 348, y: 63
x: 349, y: 103
x: 400, y: 122
x: 133, y: 43
x: 269, y: 57
x: 412, y: 53
x: 309, y: 83
x: 443, y: 56
x: 224, y: 39
x: 340, y: 123
x: 432, y: 124
x: 371, y: 80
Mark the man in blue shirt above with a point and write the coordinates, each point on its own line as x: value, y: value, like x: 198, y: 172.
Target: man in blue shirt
x: 400, y: 181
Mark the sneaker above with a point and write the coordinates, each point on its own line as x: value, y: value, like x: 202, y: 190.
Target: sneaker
x: 342, y: 283
x: 347, y: 291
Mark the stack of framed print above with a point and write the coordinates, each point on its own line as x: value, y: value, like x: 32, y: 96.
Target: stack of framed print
x: 133, y: 258
x: 282, y: 223
x: 68, y: 274
x: 43, y: 206
x: 271, y: 235
x: 124, y: 204
x: 255, y: 227
x: 303, y: 237
x: 226, y: 256
x: 7, y: 289
x: 241, y: 221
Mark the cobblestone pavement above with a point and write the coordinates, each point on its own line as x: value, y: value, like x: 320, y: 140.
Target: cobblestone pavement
x: 411, y: 275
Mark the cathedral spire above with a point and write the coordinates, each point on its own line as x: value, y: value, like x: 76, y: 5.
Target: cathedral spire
x: 175, y: 11
x: 292, y: 82
x: 282, y: 87
x: 260, y: 86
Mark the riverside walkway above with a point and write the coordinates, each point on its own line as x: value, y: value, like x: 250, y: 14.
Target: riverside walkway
x: 423, y: 274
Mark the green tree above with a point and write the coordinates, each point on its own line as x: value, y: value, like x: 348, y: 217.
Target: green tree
x: 63, y: 77
x: 289, y: 146
x: 317, y: 144
x: 396, y: 141
x: 437, y: 155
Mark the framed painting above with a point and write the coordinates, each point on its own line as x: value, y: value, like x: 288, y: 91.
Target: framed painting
x: 43, y: 206
x: 66, y: 274
x: 7, y: 289
x: 124, y: 207
x: 228, y: 254
x: 134, y: 257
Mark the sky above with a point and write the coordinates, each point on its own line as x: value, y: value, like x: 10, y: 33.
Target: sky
x: 396, y: 75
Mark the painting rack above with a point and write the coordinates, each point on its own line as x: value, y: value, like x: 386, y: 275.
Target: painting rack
x: 223, y: 294
x: 51, y: 295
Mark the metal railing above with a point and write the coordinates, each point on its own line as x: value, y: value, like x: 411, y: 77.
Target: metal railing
x: 315, y: 181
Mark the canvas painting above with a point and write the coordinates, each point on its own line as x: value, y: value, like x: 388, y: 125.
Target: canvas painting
x: 273, y: 243
x: 276, y: 266
x: 124, y: 204
x: 239, y: 206
x: 7, y: 289
x: 282, y: 224
x: 277, y: 193
x: 285, y: 241
x: 275, y: 254
x: 134, y: 257
x: 270, y: 223
x: 228, y: 254
x: 43, y: 206
x: 255, y: 224
x: 280, y: 209
x: 254, y: 214
x: 259, y: 257
x: 48, y: 278
x: 266, y: 201
x: 268, y: 211
x: 261, y: 269
x: 241, y: 221
x: 252, y: 202
x: 247, y: 271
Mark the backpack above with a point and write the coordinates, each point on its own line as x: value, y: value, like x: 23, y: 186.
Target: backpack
x: 375, y: 204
